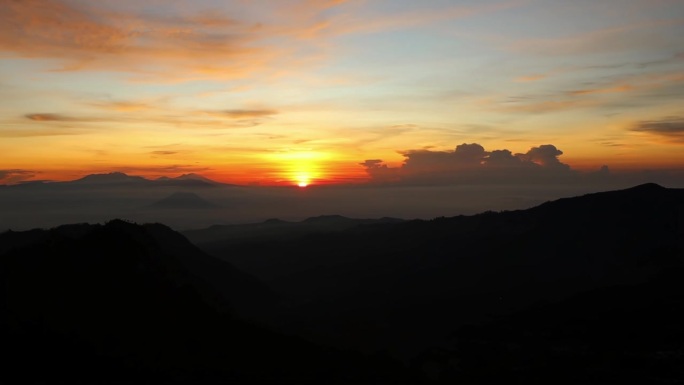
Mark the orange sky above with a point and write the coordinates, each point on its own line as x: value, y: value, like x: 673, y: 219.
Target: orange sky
x: 301, y: 91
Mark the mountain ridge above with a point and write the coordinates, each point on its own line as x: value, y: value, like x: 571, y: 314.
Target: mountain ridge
x: 121, y: 178
x: 492, y: 263
x: 278, y: 228
x: 122, y: 302
x: 572, y: 285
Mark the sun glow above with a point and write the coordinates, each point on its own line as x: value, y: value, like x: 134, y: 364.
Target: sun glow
x: 301, y: 168
x: 302, y: 179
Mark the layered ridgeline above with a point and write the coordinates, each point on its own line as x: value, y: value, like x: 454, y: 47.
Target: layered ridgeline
x: 578, y: 290
x: 119, y: 178
x: 189, y: 199
x: 411, y: 287
x: 276, y: 229
x: 124, y: 302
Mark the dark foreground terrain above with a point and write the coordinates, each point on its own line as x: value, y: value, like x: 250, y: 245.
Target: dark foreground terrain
x: 585, y: 290
x: 123, y: 302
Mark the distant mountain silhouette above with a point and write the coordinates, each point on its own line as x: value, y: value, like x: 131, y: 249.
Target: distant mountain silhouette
x: 190, y: 180
x: 407, y: 286
x: 182, y: 200
x: 193, y: 176
x: 111, y: 178
x: 139, y: 304
x: 578, y: 290
x: 274, y: 228
x: 328, y: 219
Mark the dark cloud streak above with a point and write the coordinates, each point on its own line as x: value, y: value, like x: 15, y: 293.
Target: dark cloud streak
x: 672, y: 127
x: 51, y: 117
x: 11, y: 176
x: 43, y: 117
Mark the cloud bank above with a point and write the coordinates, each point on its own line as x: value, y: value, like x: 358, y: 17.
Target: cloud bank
x: 179, y: 44
x: 471, y: 163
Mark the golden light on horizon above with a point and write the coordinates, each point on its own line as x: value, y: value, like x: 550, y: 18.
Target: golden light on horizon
x: 275, y: 106
x: 303, y: 179
x: 301, y: 167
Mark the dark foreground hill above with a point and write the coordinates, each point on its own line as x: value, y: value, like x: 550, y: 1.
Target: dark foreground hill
x: 128, y: 303
x: 585, y: 290
x: 625, y: 334
x: 407, y: 287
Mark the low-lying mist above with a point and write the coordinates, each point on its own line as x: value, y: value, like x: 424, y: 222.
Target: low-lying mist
x: 186, y: 207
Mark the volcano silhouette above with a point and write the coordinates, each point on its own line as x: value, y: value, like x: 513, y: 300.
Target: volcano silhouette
x: 183, y: 200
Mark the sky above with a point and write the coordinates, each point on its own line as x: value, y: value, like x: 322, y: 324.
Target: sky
x: 294, y: 92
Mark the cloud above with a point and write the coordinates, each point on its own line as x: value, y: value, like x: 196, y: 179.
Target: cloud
x: 503, y: 158
x: 247, y: 114
x: 530, y: 78
x: 188, y: 118
x: 545, y: 155
x: 471, y: 163
x: 543, y: 104
x: 621, y: 38
x: 237, y: 118
x: 675, y: 58
x: 52, y: 28
x: 380, y: 172
x: 123, y: 106
x: 163, y: 153
x: 607, y: 90
x: 463, y: 157
x: 421, y: 16
x: 613, y: 144
x: 176, y: 45
x: 30, y: 133
x: 671, y: 127
x: 15, y: 175
x: 50, y: 118
x: 633, y: 89
x: 217, y: 41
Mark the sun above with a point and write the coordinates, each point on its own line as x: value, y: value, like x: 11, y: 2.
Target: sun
x: 303, y: 179
x: 299, y: 168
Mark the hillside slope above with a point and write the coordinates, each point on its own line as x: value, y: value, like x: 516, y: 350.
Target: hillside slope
x: 123, y: 302
x: 406, y: 286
